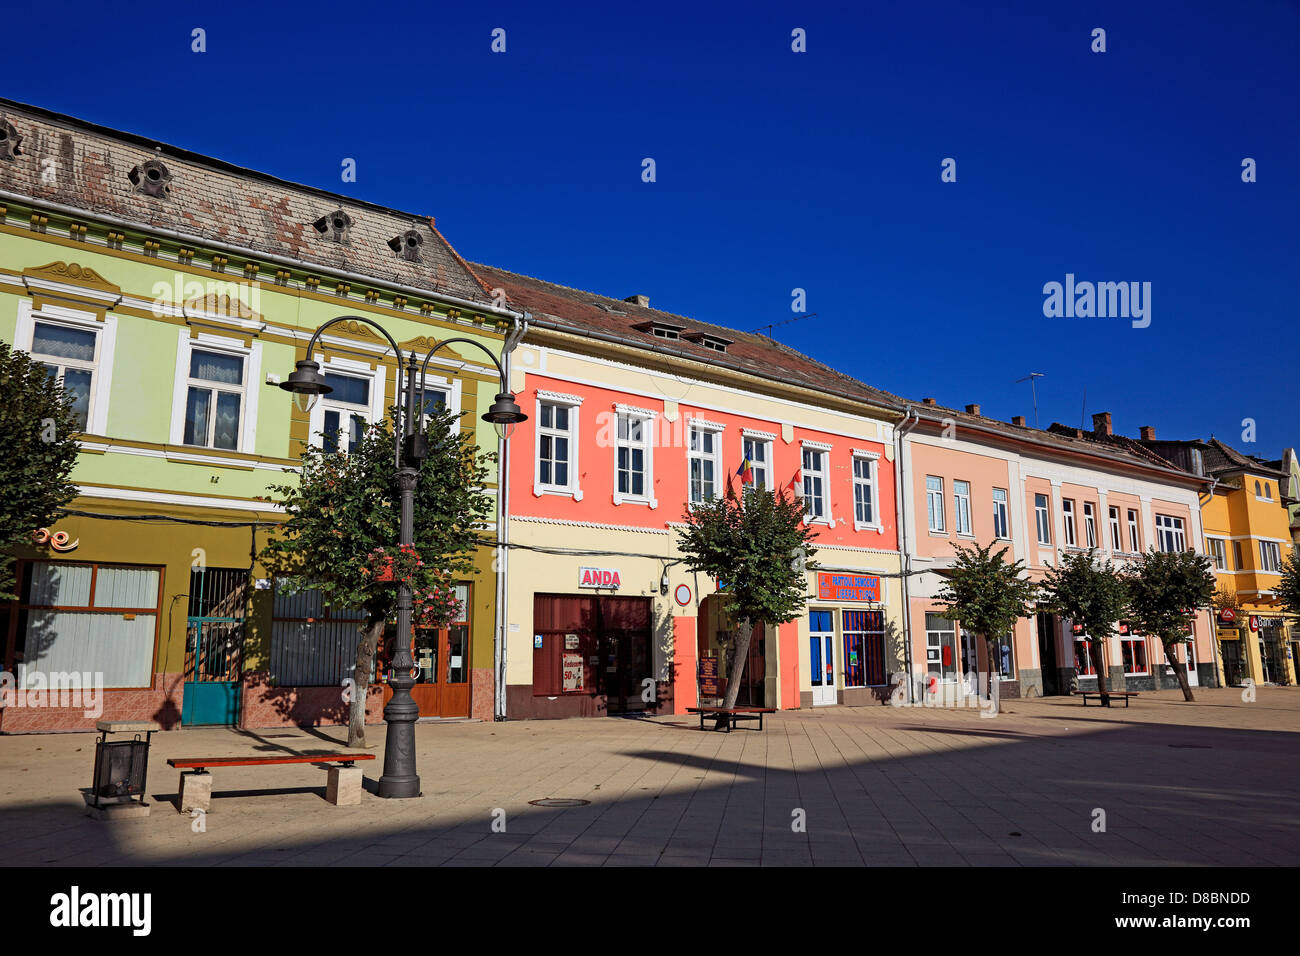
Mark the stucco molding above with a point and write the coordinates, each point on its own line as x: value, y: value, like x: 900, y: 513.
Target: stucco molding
x: 538, y: 519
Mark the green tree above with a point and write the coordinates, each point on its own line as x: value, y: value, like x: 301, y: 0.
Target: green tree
x: 1091, y: 594
x: 987, y: 595
x: 346, y: 505
x: 1166, y: 588
x: 759, y: 549
x: 38, y: 422
x: 1288, y: 591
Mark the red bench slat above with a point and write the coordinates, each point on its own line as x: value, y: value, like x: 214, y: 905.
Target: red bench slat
x: 189, y: 763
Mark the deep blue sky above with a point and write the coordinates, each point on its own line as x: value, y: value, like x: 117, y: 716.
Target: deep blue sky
x: 779, y: 170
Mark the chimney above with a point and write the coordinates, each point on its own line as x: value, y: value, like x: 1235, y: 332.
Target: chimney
x: 927, y: 401
x: 973, y: 409
x: 641, y: 300
x: 1101, y: 423
x: 1148, y: 432
x: 1018, y: 420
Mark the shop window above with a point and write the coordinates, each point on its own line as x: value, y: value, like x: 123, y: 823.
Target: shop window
x: 864, y: 648
x: 1083, y: 662
x: 1004, y: 657
x: 1133, y: 648
x: 95, y: 619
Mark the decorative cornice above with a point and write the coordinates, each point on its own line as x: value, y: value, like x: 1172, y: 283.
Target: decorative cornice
x: 588, y: 524
x: 754, y: 433
x: 633, y: 410
x: 816, y: 445
x: 224, y: 306
x: 865, y: 453
x: 74, y: 273
x: 561, y: 397
x: 705, y: 423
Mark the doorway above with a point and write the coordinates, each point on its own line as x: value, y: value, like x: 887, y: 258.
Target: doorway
x: 442, y: 663
x: 214, y: 646
x: 1230, y: 648
x: 821, y: 656
x: 1047, y: 659
x: 969, y: 662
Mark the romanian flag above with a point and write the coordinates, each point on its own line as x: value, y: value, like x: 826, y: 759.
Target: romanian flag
x: 746, y: 471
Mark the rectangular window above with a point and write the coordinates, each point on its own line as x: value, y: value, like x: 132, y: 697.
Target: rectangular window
x: 1089, y: 524
x: 554, y: 445
x: 1133, y: 648
x: 1067, y: 512
x: 705, y: 458
x: 632, y: 456
x: 1116, y: 541
x: 961, y: 506
x: 1001, y: 526
x: 1135, y: 543
x: 69, y: 355
x: 1169, y: 533
x: 214, y: 404
x: 1083, y: 662
x: 940, y: 647
x: 816, y: 482
x: 1043, y: 519
x: 864, y: 491
x: 864, y: 648
x: 87, y: 619
x: 1218, y: 552
x: 1270, y: 556
x: 346, y: 411
x: 759, y: 453
x: 1236, y: 556
x: 934, y: 502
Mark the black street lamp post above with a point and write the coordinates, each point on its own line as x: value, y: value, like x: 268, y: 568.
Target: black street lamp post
x: 410, y: 448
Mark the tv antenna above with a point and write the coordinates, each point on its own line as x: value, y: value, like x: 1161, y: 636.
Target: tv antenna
x: 1033, y: 388
x: 769, y: 328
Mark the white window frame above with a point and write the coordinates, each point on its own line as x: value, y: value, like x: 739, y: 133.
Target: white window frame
x: 1135, y: 542
x: 871, y: 482
x: 934, y: 506
x: 1090, y: 524
x: 1173, y: 528
x: 1067, y: 521
x: 573, y: 403
x: 1270, y: 557
x: 1043, y: 518
x: 206, y: 342
x: 1116, y: 532
x: 647, y: 419
x: 357, y: 369
x: 700, y: 426
x: 764, y: 441
x: 101, y: 377
x: 1001, y: 514
x: 1217, y: 549
x: 1132, y: 638
x: 824, y: 473
x: 961, y: 515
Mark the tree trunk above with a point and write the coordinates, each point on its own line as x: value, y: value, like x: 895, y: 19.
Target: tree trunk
x: 367, y: 648
x: 744, y: 635
x: 1099, y: 663
x: 990, y: 647
x: 1180, y: 669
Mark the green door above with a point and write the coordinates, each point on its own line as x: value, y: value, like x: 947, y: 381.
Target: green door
x: 214, y: 646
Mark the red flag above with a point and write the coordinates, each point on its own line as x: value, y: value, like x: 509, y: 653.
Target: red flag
x: 731, y: 487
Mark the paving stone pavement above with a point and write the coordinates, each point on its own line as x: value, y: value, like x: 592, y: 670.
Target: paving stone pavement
x: 1212, y: 782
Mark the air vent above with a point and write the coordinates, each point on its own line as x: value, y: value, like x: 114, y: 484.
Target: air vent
x: 9, y: 140
x: 152, y: 178
x: 407, y: 245
x: 334, y: 225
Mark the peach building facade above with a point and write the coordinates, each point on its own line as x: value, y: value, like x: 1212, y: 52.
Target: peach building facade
x: 969, y: 480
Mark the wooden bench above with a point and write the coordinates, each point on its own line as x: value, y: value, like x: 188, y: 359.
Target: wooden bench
x: 1085, y: 694
x: 728, y: 717
x: 196, y: 786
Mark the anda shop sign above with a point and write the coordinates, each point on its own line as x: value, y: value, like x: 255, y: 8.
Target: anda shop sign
x: 599, y: 578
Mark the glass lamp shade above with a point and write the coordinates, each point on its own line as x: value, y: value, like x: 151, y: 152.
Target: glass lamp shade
x: 306, y: 383
x: 505, y: 414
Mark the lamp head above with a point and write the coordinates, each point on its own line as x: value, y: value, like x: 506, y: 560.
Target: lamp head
x: 505, y: 414
x: 307, y: 384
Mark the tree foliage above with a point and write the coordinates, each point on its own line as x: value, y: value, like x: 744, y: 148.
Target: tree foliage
x: 38, y: 423
x: 1091, y: 594
x: 759, y: 549
x: 346, y: 505
x: 986, y: 593
x: 1288, y: 590
x: 1165, y: 589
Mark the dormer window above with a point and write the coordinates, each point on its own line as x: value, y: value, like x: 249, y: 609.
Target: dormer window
x: 151, y: 178
x: 334, y: 225
x: 407, y: 245
x: 9, y: 140
x: 661, y: 330
x: 715, y: 342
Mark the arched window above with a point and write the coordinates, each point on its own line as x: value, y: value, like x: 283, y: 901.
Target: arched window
x: 1268, y: 490
x: 1257, y: 489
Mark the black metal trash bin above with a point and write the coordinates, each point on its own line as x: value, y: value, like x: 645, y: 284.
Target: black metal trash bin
x: 121, y: 766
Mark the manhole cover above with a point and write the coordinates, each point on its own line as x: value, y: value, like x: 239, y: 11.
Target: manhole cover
x: 559, y: 802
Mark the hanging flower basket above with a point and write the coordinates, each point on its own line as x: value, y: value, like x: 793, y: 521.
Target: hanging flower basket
x: 390, y: 565
x: 436, y: 607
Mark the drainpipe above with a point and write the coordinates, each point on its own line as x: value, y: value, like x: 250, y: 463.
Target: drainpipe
x: 910, y: 420
x: 1214, y: 627
x: 502, y: 557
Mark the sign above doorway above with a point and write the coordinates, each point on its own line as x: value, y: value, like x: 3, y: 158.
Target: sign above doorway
x: 599, y: 578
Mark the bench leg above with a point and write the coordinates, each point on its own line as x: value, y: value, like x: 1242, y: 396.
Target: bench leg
x: 195, y: 792
x: 344, y: 787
